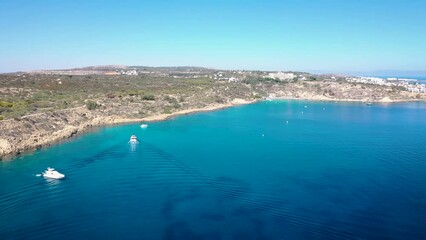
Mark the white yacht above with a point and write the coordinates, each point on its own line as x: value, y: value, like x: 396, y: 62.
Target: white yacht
x: 144, y: 125
x: 133, y: 139
x: 52, y: 173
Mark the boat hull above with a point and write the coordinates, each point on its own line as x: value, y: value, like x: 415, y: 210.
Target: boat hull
x: 56, y: 176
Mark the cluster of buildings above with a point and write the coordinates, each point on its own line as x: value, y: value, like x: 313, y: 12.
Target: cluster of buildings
x: 221, y: 76
x: 281, y: 76
x: 131, y: 72
x: 371, y: 80
x: 417, y: 88
x: 410, y: 85
x: 286, y: 76
x: 237, y: 76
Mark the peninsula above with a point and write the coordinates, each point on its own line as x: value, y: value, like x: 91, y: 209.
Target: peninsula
x: 39, y: 108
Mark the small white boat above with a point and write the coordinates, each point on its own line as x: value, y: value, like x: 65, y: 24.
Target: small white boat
x: 133, y: 139
x: 52, y: 173
x: 144, y: 125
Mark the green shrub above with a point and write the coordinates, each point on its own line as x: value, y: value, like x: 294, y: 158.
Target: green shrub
x: 6, y: 104
x: 171, y: 100
x: 1, y: 117
x: 399, y: 88
x: 91, y: 105
x: 176, y: 105
x: 219, y: 100
x: 167, y: 110
x: 167, y: 98
x: 133, y: 93
x: 149, y: 97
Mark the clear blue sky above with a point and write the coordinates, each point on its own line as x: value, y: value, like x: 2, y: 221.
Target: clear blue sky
x: 314, y: 35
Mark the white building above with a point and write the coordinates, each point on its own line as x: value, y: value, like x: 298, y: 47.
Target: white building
x: 233, y: 79
x: 282, y: 76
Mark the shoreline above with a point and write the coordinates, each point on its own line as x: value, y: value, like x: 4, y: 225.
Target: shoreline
x: 7, y: 152
x: 320, y: 98
x: 390, y: 101
x: 162, y: 117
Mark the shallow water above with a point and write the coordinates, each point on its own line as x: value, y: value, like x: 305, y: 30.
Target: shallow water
x: 272, y: 170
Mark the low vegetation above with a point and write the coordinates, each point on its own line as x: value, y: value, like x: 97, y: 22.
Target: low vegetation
x: 58, y: 106
x: 92, y: 105
x: 165, y: 90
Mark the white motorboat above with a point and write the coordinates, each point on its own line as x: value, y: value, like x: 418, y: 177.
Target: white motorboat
x: 144, y: 125
x: 52, y: 173
x: 133, y: 139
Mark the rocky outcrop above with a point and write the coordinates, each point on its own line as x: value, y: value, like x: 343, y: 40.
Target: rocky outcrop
x: 341, y: 91
x: 40, y: 129
x: 5, y: 147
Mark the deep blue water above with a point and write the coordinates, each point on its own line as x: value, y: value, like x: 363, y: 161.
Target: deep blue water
x: 335, y: 171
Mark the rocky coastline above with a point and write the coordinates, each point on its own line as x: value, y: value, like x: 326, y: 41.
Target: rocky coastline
x: 37, y: 110
x: 39, y: 130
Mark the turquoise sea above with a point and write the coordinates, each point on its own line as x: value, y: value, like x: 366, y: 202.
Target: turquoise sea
x: 271, y: 170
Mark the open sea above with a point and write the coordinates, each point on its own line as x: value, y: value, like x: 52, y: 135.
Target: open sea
x: 270, y: 170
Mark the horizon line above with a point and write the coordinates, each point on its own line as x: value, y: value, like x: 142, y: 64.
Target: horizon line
x: 319, y: 72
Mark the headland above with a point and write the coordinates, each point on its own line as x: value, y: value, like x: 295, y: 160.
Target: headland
x: 42, y: 107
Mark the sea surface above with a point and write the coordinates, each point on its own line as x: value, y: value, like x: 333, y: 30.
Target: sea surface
x: 271, y: 170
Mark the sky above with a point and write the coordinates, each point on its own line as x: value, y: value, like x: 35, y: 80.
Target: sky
x: 327, y: 36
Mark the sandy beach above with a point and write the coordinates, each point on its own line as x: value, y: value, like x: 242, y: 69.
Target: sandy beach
x: 366, y: 100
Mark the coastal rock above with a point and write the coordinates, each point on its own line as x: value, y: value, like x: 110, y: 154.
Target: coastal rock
x: 5, y: 147
x: 40, y: 129
x: 239, y: 101
x: 386, y: 100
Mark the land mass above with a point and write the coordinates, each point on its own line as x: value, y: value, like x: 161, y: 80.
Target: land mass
x: 39, y: 108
